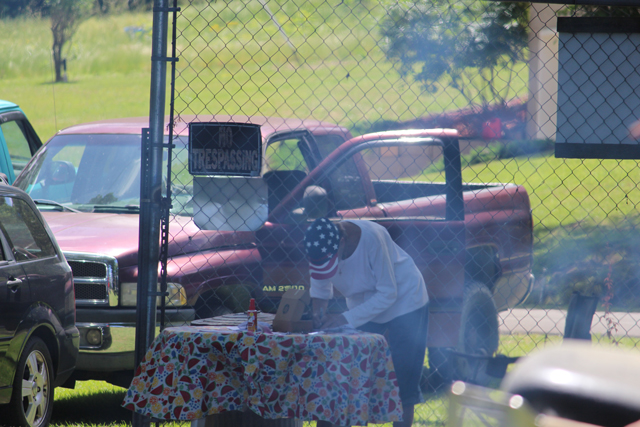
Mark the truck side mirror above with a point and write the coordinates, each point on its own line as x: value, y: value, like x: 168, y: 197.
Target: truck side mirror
x: 315, y: 202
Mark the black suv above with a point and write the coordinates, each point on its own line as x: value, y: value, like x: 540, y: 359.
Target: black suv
x: 38, y: 337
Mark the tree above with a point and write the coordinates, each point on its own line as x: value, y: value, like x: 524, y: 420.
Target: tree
x: 66, y: 16
x: 15, y: 8
x: 474, y: 44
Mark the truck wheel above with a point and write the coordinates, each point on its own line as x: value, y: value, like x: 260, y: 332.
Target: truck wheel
x: 32, y: 397
x: 478, y: 333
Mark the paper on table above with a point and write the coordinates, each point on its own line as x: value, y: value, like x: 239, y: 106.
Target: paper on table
x: 338, y: 330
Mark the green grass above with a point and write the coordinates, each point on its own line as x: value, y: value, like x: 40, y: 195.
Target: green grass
x: 232, y: 60
x: 566, y: 191
x: 53, y: 107
x: 97, y: 404
x: 338, y: 71
x: 93, y: 403
x: 518, y: 345
x: 109, y: 72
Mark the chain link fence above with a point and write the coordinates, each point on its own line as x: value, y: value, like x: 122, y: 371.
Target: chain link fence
x: 538, y: 239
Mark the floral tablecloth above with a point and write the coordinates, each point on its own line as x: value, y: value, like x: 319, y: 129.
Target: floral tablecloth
x: 191, y: 372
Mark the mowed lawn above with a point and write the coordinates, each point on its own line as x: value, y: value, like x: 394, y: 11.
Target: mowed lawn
x: 568, y: 191
x: 97, y: 404
x: 232, y: 60
x: 565, y: 191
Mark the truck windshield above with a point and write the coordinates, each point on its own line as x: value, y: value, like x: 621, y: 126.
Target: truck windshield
x: 89, y: 173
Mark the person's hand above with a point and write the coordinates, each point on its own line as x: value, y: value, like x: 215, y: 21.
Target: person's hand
x: 332, y: 321
x: 318, y: 309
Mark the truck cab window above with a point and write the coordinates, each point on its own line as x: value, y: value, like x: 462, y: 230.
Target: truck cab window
x: 405, y: 173
x: 346, y: 190
x: 285, y: 155
x: 285, y: 167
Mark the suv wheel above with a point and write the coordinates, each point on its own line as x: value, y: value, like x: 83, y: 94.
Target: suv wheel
x: 32, y: 398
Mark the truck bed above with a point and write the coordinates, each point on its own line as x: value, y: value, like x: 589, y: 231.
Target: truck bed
x: 394, y: 191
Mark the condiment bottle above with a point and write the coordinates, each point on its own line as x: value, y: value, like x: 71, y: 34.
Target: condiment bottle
x: 252, y: 325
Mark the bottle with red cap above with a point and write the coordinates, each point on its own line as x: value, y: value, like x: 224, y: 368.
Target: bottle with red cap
x: 252, y: 325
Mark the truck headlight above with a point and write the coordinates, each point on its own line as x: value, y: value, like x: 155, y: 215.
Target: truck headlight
x: 177, y: 297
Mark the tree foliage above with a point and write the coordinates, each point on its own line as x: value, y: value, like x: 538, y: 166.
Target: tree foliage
x: 16, y: 8
x: 467, y: 41
x: 65, y: 16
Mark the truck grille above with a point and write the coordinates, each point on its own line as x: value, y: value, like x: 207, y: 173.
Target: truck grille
x: 88, y: 269
x: 90, y: 291
x: 94, y: 278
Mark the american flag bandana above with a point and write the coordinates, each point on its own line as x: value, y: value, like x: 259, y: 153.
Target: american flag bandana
x: 322, y: 241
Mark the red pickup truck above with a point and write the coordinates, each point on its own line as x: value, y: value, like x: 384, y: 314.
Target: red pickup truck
x: 472, y: 242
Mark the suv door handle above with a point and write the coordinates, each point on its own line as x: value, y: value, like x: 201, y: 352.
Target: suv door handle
x: 14, y: 283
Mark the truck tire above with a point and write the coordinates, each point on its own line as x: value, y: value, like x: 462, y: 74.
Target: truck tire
x: 32, y: 396
x: 479, y: 333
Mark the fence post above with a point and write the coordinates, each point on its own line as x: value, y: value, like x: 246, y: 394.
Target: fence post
x: 151, y: 194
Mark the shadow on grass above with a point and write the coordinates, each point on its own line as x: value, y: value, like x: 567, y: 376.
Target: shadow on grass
x: 92, y: 403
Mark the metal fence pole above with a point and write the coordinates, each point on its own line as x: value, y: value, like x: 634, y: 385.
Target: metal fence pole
x: 151, y: 194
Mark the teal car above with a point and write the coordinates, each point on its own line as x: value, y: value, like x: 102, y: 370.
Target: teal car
x: 18, y: 140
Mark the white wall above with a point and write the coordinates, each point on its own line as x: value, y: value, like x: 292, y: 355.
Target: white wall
x: 543, y: 71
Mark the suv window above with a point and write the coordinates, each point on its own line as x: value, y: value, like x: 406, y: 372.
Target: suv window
x: 17, y: 145
x: 26, y: 235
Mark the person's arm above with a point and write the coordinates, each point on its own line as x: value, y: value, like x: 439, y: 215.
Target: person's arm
x: 386, y: 289
x: 321, y: 292
x: 323, y: 320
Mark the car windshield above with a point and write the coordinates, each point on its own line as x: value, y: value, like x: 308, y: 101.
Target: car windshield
x: 92, y: 173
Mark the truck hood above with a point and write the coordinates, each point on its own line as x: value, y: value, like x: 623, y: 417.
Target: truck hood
x: 117, y: 235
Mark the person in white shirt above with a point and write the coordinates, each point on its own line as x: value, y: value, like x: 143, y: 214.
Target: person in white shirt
x: 384, y: 291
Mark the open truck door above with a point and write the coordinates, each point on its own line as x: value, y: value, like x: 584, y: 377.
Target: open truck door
x: 428, y: 223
